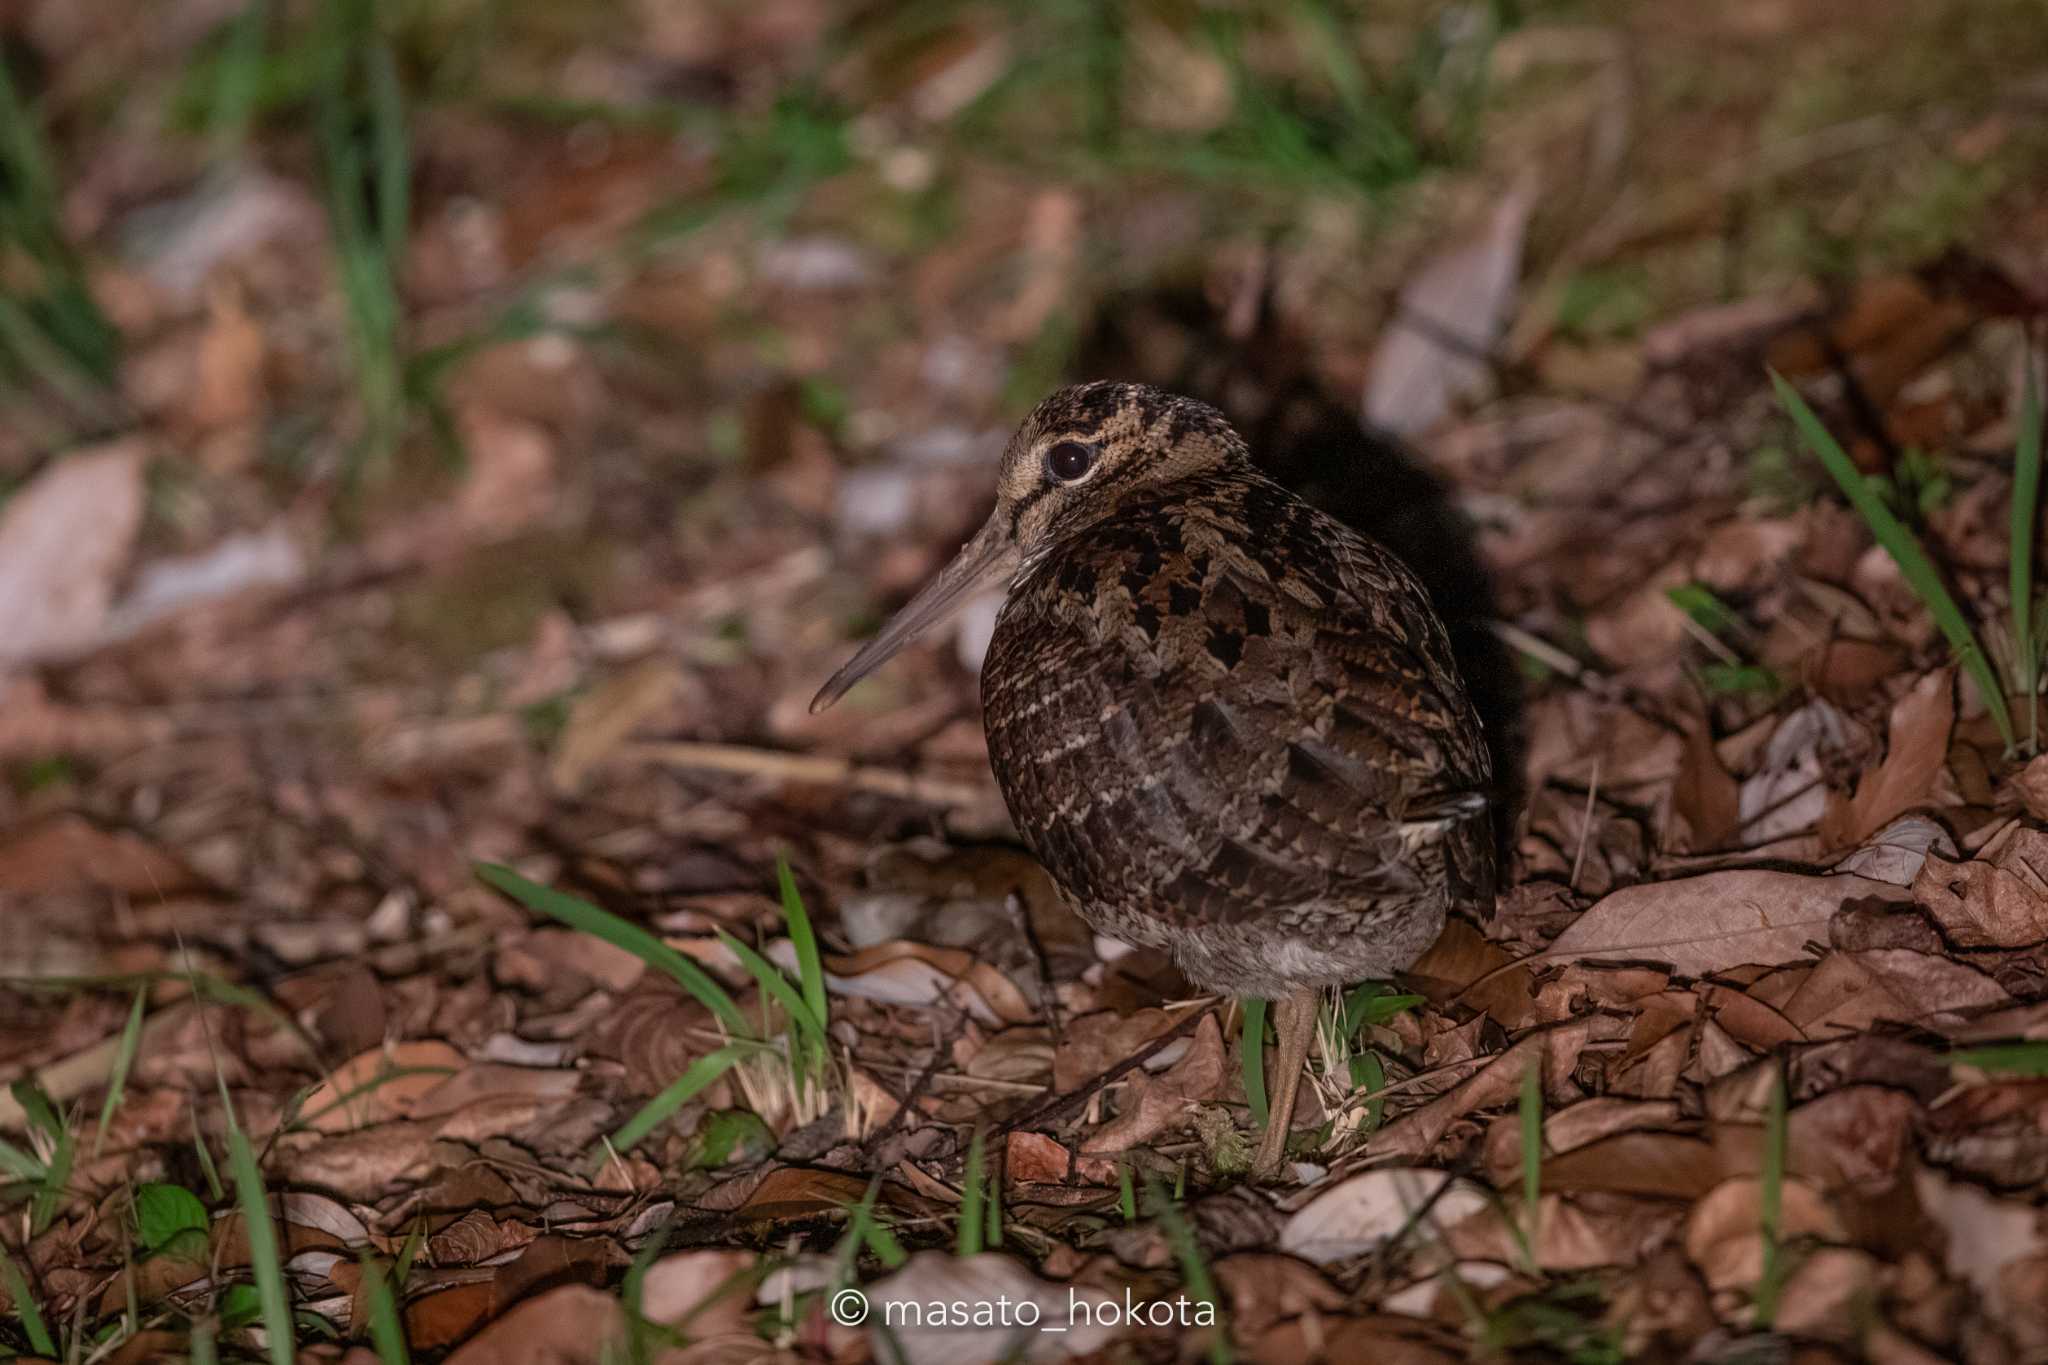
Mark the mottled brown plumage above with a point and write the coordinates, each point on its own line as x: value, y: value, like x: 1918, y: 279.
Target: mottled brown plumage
x: 1228, y: 725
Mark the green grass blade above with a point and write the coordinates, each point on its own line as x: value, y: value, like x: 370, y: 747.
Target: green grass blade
x: 620, y: 933
x: 1253, y: 1046
x: 867, y: 1229
x: 1194, y: 1269
x: 776, y: 984
x: 1126, y: 1197
x: 206, y: 1163
x: 51, y: 1189
x: 1917, y: 568
x: 392, y: 154
x: 124, y: 1058
x: 238, y: 81
x: 992, y: 1211
x: 681, y: 1091
x: 387, y: 1331
x: 19, y: 1165
x: 810, y: 966
x: 969, y: 1241
x: 1770, y: 1216
x: 263, y: 1253
x: 16, y: 1284
x: 1532, y: 1154
x: 2026, y: 506
x: 202, y: 1345
x: 2012, y: 1059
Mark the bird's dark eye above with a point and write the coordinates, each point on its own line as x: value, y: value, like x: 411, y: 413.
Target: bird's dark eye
x: 1069, y: 460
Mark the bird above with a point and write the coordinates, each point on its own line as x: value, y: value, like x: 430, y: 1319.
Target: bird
x: 1228, y: 725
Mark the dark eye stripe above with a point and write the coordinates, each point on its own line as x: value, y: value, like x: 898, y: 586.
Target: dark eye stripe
x: 1024, y: 505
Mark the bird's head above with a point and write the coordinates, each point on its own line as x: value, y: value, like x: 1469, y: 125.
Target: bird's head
x: 1081, y: 454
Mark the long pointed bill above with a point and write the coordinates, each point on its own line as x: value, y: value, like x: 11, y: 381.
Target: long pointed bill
x: 989, y: 558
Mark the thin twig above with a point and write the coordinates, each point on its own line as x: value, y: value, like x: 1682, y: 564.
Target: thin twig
x: 1586, y: 824
x: 1059, y: 1106
x: 816, y: 769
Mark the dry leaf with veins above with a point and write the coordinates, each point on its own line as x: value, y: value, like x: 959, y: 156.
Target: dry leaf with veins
x: 1911, y: 775
x: 1707, y: 924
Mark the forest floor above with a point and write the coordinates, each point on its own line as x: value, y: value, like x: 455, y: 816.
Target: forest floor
x: 449, y: 442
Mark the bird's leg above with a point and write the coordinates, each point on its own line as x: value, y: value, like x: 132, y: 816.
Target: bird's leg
x: 1295, y: 1020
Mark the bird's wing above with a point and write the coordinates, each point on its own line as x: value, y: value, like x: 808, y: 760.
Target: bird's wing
x: 1230, y: 740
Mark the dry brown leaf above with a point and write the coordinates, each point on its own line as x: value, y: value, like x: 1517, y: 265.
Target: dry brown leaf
x: 904, y: 973
x: 1556, y: 1049
x: 1093, y: 1043
x: 930, y: 1277
x: 1663, y: 1165
x: 703, y: 1292
x: 1453, y: 309
x: 1983, y: 1233
x: 1382, y: 1338
x: 1724, y: 1231
x: 481, y: 1081
x: 794, y: 1192
x: 1916, y: 751
x: 1848, y: 992
x: 1708, y: 924
x: 63, y: 539
x: 1573, y: 1127
x: 1571, y: 1235
x: 1263, y: 1288
x: 572, y: 1325
x: 361, y: 1164
x: 1998, y: 899
x: 1035, y: 1158
x: 446, y: 1316
x: 383, y: 1083
x: 1152, y: 1103
x: 1861, y: 1134
x: 1706, y: 799
x: 604, y: 717
x: 1827, y: 1295
x: 66, y: 852
x: 1361, y: 1213
x: 2032, y: 785
x: 510, y: 481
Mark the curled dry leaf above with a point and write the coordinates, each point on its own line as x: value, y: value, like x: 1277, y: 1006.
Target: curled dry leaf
x: 1555, y: 1049
x: 1998, y: 899
x: 1452, y: 310
x: 67, y: 852
x: 1263, y: 1288
x: 1916, y: 753
x: 602, y: 718
x: 701, y: 1292
x: 1787, y: 795
x: 1982, y: 1234
x: 1852, y: 991
x: 1827, y: 1295
x: 1705, y: 798
x: 383, y: 1083
x: 1035, y: 1158
x: 1708, y: 924
x: 1363, y: 1213
x: 1095, y: 1042
x: 935, y: 1279
x: 572, y: 1325
x: 1151, y: 1103
x: 2032, y: 786
x: 903, y: 973
x: 63, y: 539
x: 1724, y: 1237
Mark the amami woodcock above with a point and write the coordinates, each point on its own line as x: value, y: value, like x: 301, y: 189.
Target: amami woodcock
x: 1228, y: 725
